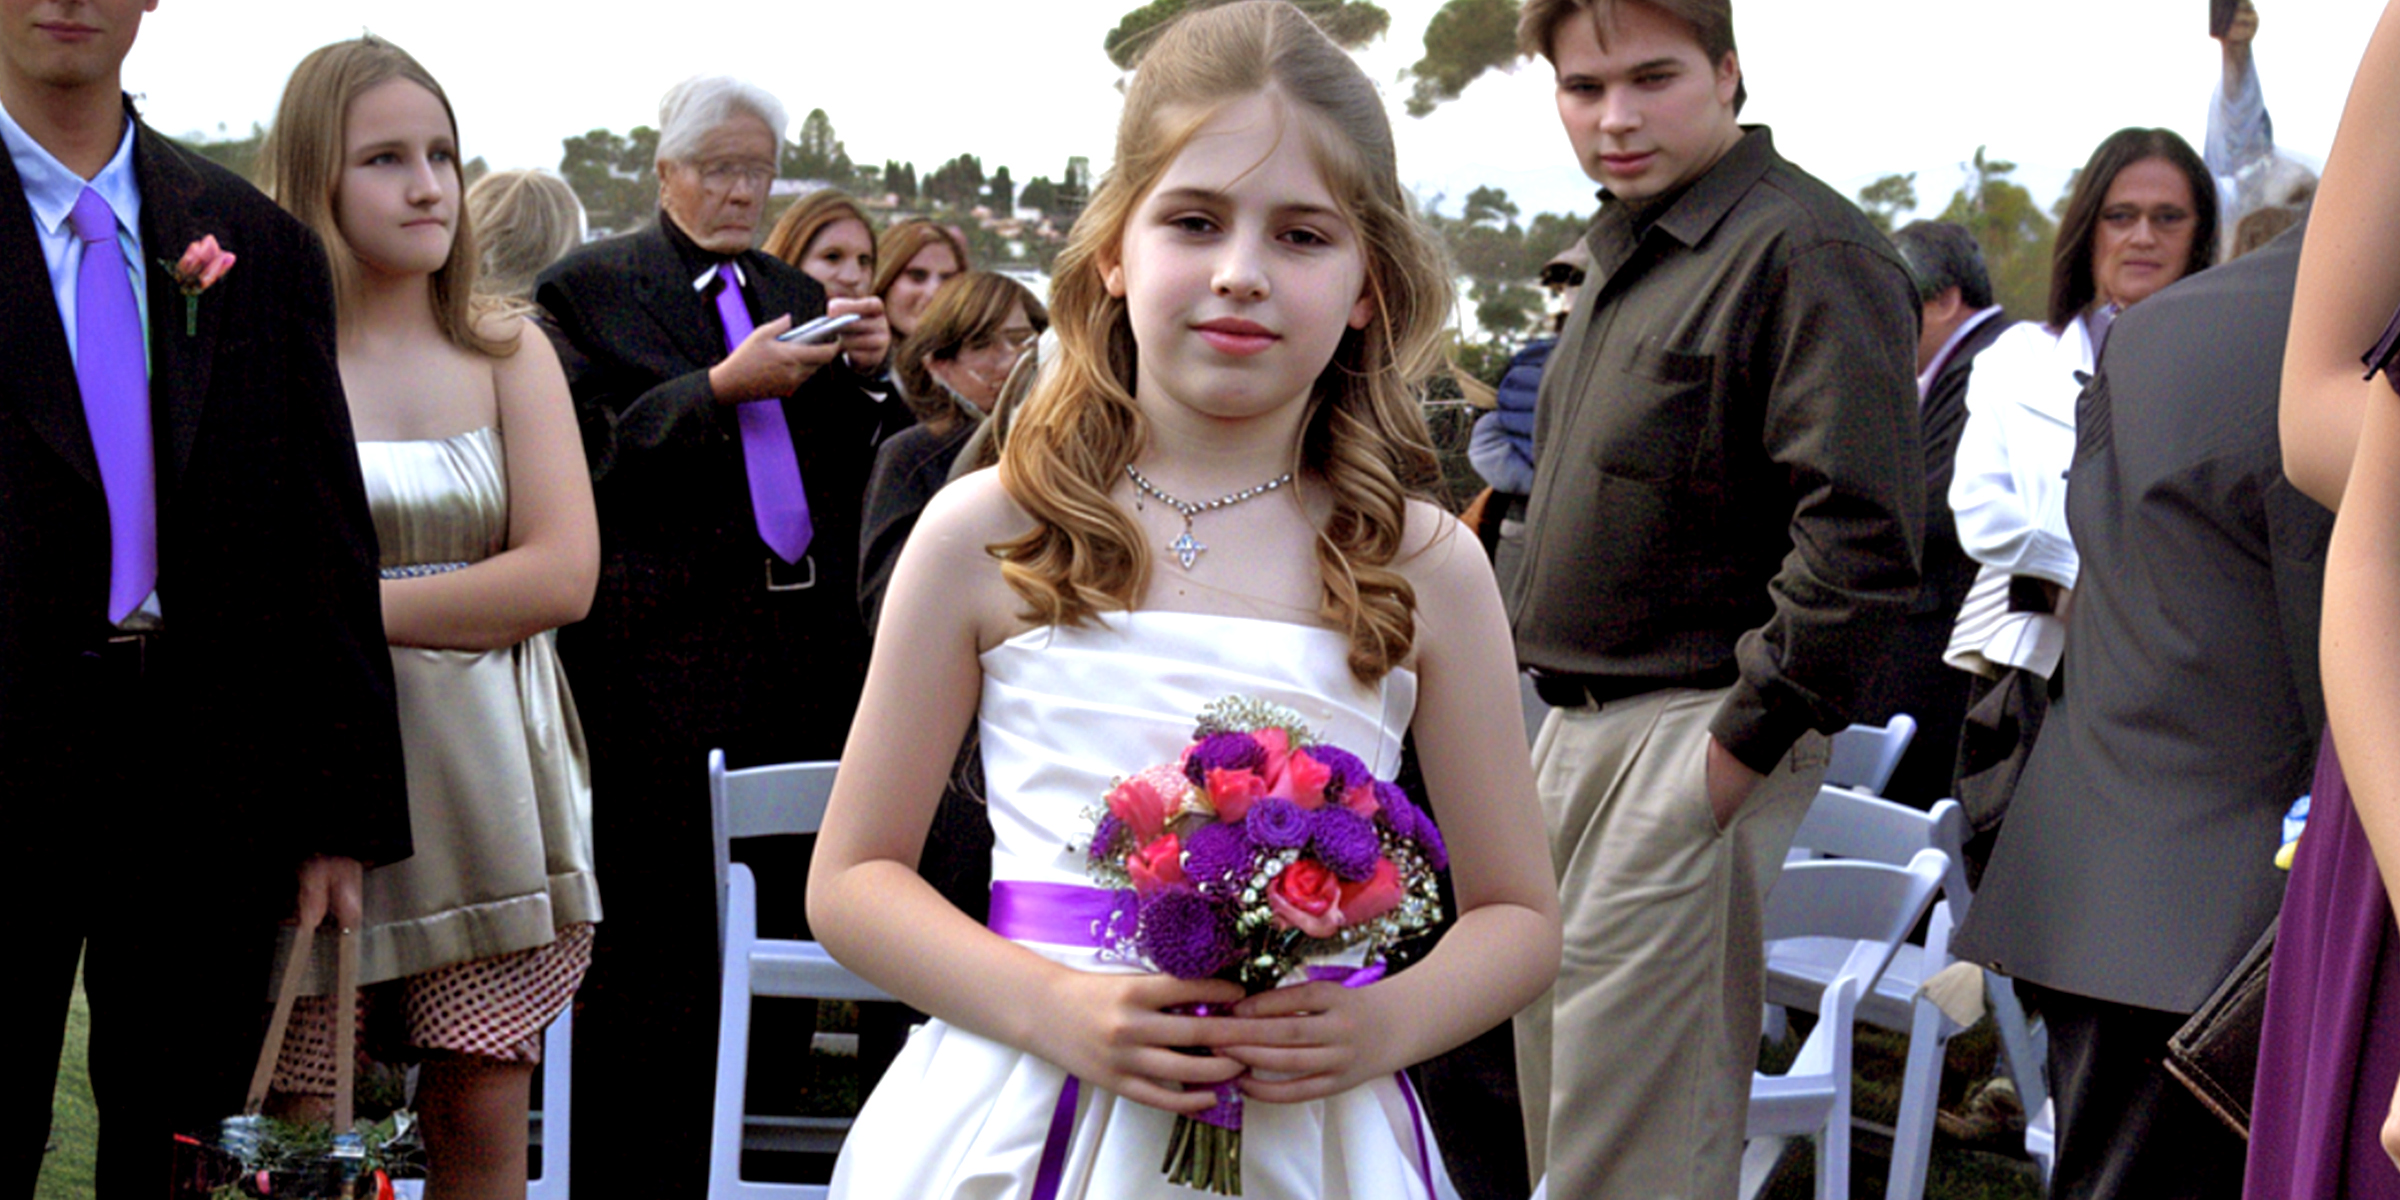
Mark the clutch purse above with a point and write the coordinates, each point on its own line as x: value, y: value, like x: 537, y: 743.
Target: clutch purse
x: 2215, y: 1054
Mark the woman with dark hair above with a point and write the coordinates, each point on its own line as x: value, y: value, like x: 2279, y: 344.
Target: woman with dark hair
x: 2143, y: 215
x: 951, y: 371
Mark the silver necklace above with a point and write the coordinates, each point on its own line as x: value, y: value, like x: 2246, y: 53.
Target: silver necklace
x: 1188, y: 548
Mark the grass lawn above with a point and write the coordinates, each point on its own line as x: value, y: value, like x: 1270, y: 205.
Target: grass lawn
x: 67, y: 1169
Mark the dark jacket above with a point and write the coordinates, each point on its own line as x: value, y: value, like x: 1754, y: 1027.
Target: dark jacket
x: 2136, y: 865
x: 1730, y: 488
x: 276, y: 705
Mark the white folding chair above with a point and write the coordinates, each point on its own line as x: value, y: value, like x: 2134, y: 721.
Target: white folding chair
x: 2041, y: 1138
x: 1853, y: 825
x: 1864, y: 756
x: 1870, y: 907
x: 550, y: 1124
x: 757, y: 801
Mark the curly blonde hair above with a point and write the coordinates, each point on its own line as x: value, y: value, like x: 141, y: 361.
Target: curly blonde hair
x: 1364, y: 435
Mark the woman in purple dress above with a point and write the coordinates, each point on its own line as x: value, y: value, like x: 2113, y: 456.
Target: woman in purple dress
x: 2326, y: 1122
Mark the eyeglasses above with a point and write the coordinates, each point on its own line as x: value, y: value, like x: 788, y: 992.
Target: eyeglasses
x: 1001, y: 340
x: 723, y: 174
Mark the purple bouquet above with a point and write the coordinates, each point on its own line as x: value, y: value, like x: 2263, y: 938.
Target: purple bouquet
x: 1259, y: 850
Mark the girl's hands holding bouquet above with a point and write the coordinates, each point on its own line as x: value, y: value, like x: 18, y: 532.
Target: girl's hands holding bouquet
x: 1313, y: 1040
x: 1117, y: 1032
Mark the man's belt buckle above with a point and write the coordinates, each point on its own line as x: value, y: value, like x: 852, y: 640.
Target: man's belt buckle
x: 135, y: 645
x: 774, y: 584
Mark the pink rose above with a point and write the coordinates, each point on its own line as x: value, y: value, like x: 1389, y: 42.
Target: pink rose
x: 1373, y: 896
x: 1308, y: 898
x: 1157, y: 865
x: 202, y: 265
x: 1303, y: 781
x: 1232, y: 792
x: 1278, y: 747
x: 1361, y: 800
x: 1143, y: 807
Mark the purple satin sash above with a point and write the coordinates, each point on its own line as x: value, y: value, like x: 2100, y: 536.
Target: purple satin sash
x: 1073, y: 915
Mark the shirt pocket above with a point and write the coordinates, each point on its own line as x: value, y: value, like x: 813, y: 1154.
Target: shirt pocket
x: 1653, y: 431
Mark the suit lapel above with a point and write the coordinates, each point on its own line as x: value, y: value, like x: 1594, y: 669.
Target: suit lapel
x: 32, y: 341
x: 175, y: 214
x: 685, y: 314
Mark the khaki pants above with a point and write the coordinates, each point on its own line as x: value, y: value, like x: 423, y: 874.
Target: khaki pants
x: 1635, y: 1069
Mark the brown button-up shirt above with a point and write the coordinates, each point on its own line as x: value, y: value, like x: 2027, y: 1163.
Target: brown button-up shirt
x: 1728, y: 482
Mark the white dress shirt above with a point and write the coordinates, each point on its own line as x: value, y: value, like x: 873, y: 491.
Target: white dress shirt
x: 51, y: 189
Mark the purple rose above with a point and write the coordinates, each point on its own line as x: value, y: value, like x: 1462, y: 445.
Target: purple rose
x: 1278, y: 823
x: 1223, y: 751
x: 1184, y: 935
x: 1217, y: 852
x: 1346, y: 770
x: 1345, y: 842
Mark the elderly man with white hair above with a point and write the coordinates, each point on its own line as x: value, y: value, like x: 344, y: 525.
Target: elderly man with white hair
x: 728, y: 466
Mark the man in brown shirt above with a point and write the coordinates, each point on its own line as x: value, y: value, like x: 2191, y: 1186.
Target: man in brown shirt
x: 1723, y: 533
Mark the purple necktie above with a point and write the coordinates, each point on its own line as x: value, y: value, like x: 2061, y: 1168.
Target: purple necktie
x: 115, y: 382
x: 776, y: 498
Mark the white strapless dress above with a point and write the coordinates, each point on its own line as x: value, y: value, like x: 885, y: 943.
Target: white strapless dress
x: 1065, y: 712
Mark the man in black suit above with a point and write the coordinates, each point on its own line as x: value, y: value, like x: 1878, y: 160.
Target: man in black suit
x: 1954, y: 292
x: 195, y: 699
x: 2136, y: 867
x: 723, y: 619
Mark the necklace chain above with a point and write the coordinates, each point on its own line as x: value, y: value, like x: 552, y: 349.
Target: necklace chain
x: 1188, y: 548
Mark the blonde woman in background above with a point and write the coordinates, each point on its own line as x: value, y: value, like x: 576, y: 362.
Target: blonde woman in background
x: 524, y: 221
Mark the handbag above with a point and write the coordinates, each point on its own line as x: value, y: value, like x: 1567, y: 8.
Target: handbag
x: 278, y: 1159
x: 2215, y: 1054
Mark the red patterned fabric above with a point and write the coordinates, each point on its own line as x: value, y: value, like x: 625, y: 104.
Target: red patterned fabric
x: 493, y: 1008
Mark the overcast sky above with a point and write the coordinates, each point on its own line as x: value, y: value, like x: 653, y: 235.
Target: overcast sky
x: 1854, y: 89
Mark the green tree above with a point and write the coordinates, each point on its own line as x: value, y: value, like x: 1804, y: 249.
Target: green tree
x: 1040, y: 195
x: 900, y: 179
x: 1507, y: 311
x: 1350, y: 23
x: 817, y: 154
x: 1887, y: 199
x: 615, y: 176
x: 2016, y: 235
x: 238, y: 155
x: 1549, y: 233
x: 1074, y: 190
x: 1002, y: 193
x: 1464, y: 39
x: 1489, y: 206
x: 957, y: 182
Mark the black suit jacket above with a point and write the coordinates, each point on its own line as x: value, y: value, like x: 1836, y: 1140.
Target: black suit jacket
x: 2136, y: 862
x: 275, y: 682
x: 1941, y: 418
x: 682, y: 603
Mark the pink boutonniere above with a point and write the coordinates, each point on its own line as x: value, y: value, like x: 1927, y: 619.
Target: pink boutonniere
x: 202, y: 265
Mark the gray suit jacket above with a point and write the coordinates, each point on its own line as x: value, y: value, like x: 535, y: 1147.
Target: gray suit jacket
x: 2136, y: 862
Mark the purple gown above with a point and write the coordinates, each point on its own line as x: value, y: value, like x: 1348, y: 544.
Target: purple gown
x: 2330, y: 1052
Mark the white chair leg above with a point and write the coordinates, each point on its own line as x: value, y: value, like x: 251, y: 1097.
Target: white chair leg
x: 2025, y: 1047
x: 1920, y: 1094
x: 558, y: 1090
x: 1833, y: 1147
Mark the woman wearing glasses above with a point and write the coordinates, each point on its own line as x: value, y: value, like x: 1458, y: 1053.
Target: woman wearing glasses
x: 951, y: 369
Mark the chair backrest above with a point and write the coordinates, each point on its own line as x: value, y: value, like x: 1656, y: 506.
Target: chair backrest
x: 1851, y: 824
x: 758, y: 801
x: 1864, y: 756
x: 1871, y: 903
